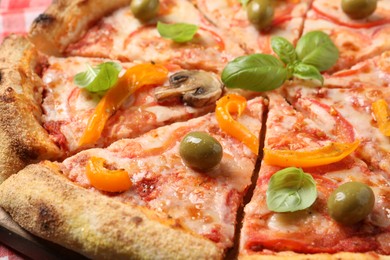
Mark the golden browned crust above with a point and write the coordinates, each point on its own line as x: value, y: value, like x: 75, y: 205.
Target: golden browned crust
x: 50, y: 206
x: 22, y: 138
x: 65, y: 21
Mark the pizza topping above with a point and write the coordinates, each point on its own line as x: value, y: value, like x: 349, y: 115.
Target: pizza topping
x: 195, y: 88
x: 134, y: 78
x: 105, y: 179
x: 315, y: 52
x: 201, y: 151
x: 177, y: 32
x: 233, y: 103
x: 351, y: 202
x: 382, y: 116
x: 100, y: 78
x: 328, y: 154
x: 257, y: 72
x: 358, y: 9
x: 291, y: 190
x: 260, y: 13
x: 145, y: 10
x: 317, y: 49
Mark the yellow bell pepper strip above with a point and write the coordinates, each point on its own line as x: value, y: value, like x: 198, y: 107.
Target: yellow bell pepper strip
x: 233, y: 103
x: 328, y: 154
x: 134, y: 78
x: 380, y: 109
x: 104, y: 179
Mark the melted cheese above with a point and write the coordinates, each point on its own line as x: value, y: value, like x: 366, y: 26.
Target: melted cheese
x: 205, y: 203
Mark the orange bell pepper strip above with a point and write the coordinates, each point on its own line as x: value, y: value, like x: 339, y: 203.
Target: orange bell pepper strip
x: 104, y: 179
x: 328, y: 154
x: 233, y: 103
x: 380, y: 109
x: 134, y: 78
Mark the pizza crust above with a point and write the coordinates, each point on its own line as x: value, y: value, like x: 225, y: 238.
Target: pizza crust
x: 65, y: 21
x: 47, y: 204
x: 22, y: 138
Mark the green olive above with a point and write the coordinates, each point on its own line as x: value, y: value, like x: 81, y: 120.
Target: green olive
x: 200, y: 151
x: 260, y: 13
x: 351, y: 202
x: 358, y: 9
x: 145, y: 9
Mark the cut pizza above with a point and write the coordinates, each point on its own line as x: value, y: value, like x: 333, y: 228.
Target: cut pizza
x: 292, y: 210
x: 133, y: 129
x: 146, y: 191
x: 279, y: 18
x: 356, y: 39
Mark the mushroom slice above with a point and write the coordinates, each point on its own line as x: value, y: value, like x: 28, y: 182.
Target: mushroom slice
x: 196, y: 88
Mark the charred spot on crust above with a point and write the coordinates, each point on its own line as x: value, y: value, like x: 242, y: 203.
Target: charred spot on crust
x: 8, y: 96
x: 1, y: 76
x: 44, y: 19
x: 48, y: 219
x: 23, y: 151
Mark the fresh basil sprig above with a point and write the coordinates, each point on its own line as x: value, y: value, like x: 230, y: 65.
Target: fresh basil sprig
x: 100, y: 78
x: 247, y: 72
x: 317, y: 49
x: 284, y: 49
x: 315, y: 52
x: 178, y: 32
x: 291, y: 190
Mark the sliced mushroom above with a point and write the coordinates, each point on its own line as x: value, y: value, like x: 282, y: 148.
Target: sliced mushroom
x: 195, y: 88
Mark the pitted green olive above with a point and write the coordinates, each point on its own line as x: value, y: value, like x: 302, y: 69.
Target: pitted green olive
x: 358, y: 9
x: 260, y: 13
x: 351, y: 202
x: 200, y: 151
x: 145, y: 9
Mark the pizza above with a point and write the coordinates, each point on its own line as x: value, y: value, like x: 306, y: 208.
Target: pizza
x: 180, y: 129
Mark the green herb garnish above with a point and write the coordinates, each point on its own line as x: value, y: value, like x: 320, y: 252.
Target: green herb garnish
x: 244, y: 2
x: 317, y: 49
x: 315, y: 52
x: 291, y: 190
x: 248, y: 72
x: 178, y: 32
x: 100, y: 78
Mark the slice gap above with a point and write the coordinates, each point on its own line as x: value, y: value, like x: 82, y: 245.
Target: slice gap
x: 234, y: 251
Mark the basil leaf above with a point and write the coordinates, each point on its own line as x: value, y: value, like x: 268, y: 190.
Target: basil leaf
x: 317, y: 49
x: 257, y: 72
x: 291, y: 190
x: 244, y: 2
x: 98, y: 79
x: 284, y: 49
x: 304, y: 71
x: 178, y: 32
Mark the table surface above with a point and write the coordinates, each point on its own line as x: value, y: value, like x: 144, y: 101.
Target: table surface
x: 16, y: 16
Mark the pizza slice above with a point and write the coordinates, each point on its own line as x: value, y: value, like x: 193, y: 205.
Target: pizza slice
x: 356, y: 39
x: 293, y: 210
x: 143, y: 197
x: 352, y: 101
x: 370, y: 72
x: 124, y: 37
x: 73, y: 116
x: 23, y: 140
x: 232, y: 17
x: 59, y: 118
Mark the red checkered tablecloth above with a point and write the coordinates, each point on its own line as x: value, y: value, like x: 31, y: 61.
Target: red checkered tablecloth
x: 16, y: 16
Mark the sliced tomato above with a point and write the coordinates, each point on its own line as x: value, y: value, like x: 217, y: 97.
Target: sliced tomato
x: 356, y: 25
x: 344, y: 130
